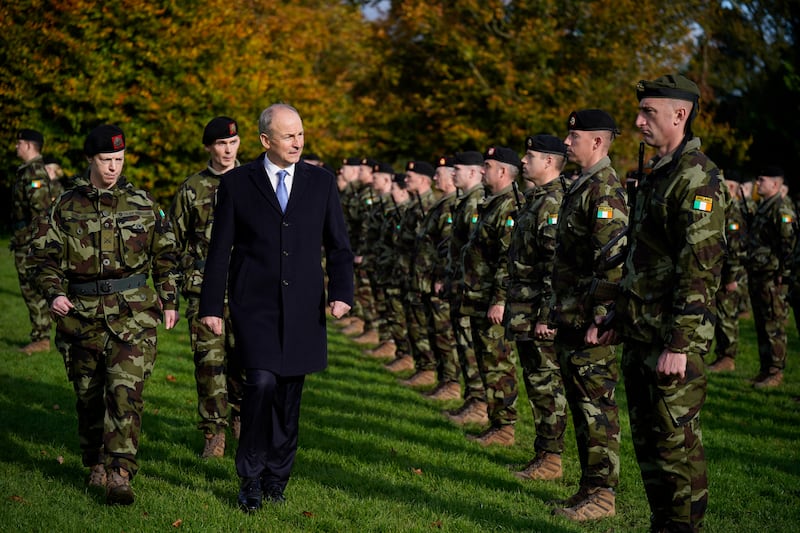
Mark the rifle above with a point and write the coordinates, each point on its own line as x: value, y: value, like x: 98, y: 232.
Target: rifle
x: 517, y: 202
x: 744, y: 208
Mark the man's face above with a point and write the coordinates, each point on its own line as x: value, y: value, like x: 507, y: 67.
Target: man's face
x: 223, y: 153
x: 24, y: 149
x: 444, y: 178
x: 656, y: 119
x: 381, y: 182
x: 491, y: 175
x: 580, y: 145
x: 284, y: 144
x: 768, y: 187
x: 365, y: 174
x: 533, y: 167
x: 399, y: 194
x: 105, y: 169
x: 462, y: 175
x: 414, y: 181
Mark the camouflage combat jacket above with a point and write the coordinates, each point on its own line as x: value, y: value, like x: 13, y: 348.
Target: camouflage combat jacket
x: 391, y: 267
x: 431, y: 247
x: 735, y: 238
x: 485, y: 256
x: 371, y: 229
x: 350, y: 208
x: 95, y: 235
x: 32, y: 195
x: 465, y: 216
x: 771, y: 238
x: 677, y: 247
x: 414, y: 223
x: 590, y: 244
x: 530, y: 256
x: 192, y: 216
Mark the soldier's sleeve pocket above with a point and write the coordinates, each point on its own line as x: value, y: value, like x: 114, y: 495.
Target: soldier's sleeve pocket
x: 706, y: 242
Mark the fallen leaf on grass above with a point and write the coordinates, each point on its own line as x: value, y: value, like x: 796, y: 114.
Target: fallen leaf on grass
x: 308, y: 514
x: 18, y: 499
x: 437, y: 524
x: 177, y: 523
x: 171, y: 378
x: 417, y: 471
x: 43, y: 452
x: 60, y: 459
x: 56, y: 407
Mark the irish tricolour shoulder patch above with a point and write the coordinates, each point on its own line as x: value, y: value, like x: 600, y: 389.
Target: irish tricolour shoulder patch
x: 605, y: 212
x: 703, y: 203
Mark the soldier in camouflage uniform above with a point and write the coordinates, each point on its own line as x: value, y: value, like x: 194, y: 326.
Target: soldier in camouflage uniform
x: 665, y: 311
x: 369, y: 334
x: 217, y: 371
x: 433, y: 242
x: 530, y: 264
x: 393, y: 271
x: 32, y: 194
x: 770, y: 242
x: 353, y: 324
x: 418, y: 183
x: 92, y: 260
x: 468, y: 179
x: 485, y: 260
x: 726, y: 331
x: 589, y: 246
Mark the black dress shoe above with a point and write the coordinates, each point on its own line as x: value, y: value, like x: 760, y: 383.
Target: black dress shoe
x: 250, y: 495
x: 274, y: 494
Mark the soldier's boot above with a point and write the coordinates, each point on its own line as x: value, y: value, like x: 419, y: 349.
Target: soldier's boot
x: 572, y: 500
x: 97, y: 476
x: 214, y: 446
x: 472, y: 412
x: 499, y: 435
x: 344, y: 321
x: 368, y: 337
x: 445, y: 391
x: 404, y: 362
x: 118, y: 487
x: 42, y: 345
x: 545, y: 465
x: 236, y: 426
x: 423, y: 378
x: 386, y: 350
x: 773, y: 379
x: 722, y: 364
x: 600, y: 502
x: 356, y: 327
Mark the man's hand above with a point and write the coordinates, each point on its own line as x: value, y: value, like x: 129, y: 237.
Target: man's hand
x: 495, y: 314
x: 731, y: 287
x: 339, y: 309
x: 61, y: 306
x: 671, y: 364
x: 214, y: 323
x: 357, y: 260
x: 171, y: 317
x: 541, y: 331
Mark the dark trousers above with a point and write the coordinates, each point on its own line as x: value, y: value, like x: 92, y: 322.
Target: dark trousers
x: 270, y: 423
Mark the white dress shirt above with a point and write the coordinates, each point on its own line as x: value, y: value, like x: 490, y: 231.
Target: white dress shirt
x: 272, y: 173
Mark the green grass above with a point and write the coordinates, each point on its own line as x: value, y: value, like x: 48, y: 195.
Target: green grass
x: 374, y: 456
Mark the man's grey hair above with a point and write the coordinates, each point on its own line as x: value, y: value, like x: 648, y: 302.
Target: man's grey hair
x: 265, y: 120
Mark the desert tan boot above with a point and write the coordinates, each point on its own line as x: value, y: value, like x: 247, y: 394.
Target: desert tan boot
x: 722, y: 364
x: 545, y: 465
x: 499, y: 435
x: 404, y: 362
x: 599, y: 502
x: 472, y: 412
x: 368, y: 337
x: 214, y: 446
x: 97, y: 476
x: 769, y: 380
x: 118, y: 487
x: 356, y: 327
x: 386, y: 350
x: 445, y: 391
x: 423, y: 378
x: 42, y: 345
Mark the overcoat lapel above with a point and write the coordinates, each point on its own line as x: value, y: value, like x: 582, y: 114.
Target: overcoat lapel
x: 261, y: 182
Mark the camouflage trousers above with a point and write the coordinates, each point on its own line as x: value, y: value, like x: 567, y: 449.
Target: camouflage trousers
x: 665, y: 426
x: 363, y: 296
x: 379, y: 323
x: 444, y: 343
x: 38, y: 310
x: 590, y: 380
x: 545, y: 388
x: 498, y: 370
x: 419, y: 332
x: 770, y: 312
x: 108, y: 377
x: 462, y: 330
x: 397, y: 320
x: 217, y: 371
x: 726, y: 331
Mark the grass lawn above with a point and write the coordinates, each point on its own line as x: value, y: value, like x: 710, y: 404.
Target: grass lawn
x: 373, y: 456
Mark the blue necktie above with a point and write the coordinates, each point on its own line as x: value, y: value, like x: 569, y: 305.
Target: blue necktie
x: 283, y: 194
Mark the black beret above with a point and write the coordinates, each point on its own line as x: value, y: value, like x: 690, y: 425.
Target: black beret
x: 504, y: 155
x: 105, y: 139
x: 386, y: 168
x: 351, y: 161
x: 400, y: 179
x: 669, y: 86
x: 311, y: 157
x: 546, y: 144
x: 446, y: 161
x: 591, y: 120
x: 368, y: 162
x: 772, y: 171
x: 469, y: 158
x: 50, y: 160
x: 30, y: 135
x: 219, y: 128
x: 420, y: 167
